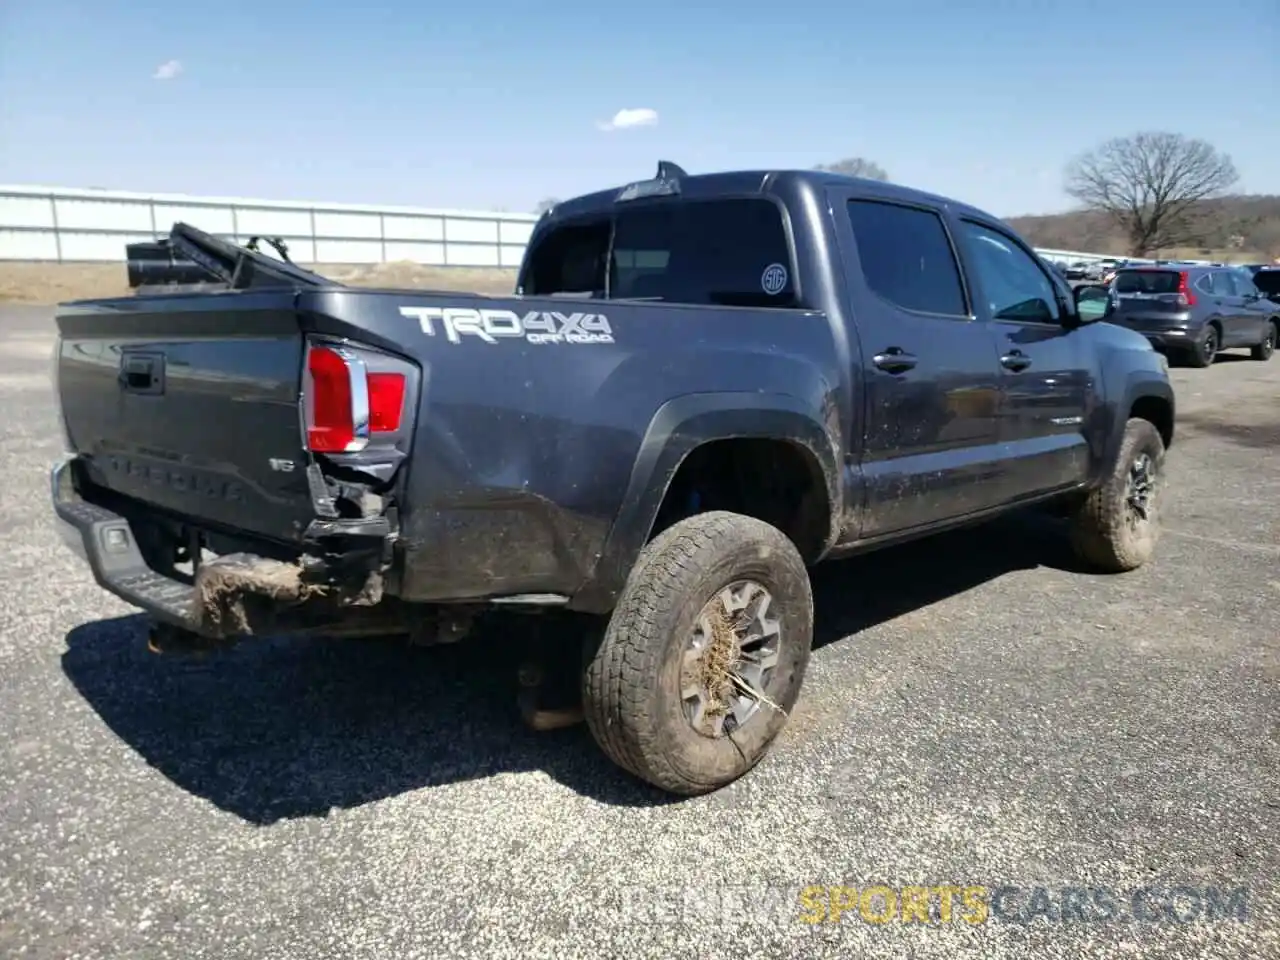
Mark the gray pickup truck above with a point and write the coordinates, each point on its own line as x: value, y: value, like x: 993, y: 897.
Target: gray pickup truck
x: 702, y: 386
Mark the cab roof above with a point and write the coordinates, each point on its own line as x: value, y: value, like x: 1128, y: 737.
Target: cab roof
x: 706, y: 186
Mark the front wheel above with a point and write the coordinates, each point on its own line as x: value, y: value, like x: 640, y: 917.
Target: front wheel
x: 1267, y: 347
x: 1116, y: 528
x: 704, y: 655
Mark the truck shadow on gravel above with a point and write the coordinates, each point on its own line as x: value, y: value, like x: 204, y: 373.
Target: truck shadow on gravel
x: 278, y: 729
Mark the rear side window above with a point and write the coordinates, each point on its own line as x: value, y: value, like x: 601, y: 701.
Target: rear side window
x: 1236, y: 283
x: 906, y: 257
x: 732, y: 252
x: 1146, y: 281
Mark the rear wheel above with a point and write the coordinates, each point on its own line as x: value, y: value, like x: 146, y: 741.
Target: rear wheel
x: 704, y: 655
x: 1267, y: 347
x: 1206, y: 348
x: 1116, y: 528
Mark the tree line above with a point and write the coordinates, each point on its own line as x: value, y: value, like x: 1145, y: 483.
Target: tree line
x: 1144, y: 193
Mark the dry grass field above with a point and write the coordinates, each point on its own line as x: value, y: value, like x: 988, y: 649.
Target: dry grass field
x: 49, y: 283
x: 1198, y: 253
x: 1220, y: 256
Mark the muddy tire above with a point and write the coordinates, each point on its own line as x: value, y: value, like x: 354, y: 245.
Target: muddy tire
x: 1267, y: 347
x: 713, y: 597
x: 1117, y: 526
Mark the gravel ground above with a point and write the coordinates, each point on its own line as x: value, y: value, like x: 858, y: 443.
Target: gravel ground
x: 978, y: 713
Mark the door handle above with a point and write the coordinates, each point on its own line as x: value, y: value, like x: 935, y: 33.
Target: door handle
x: 142, y: 373
x: 895, y: 360
x: 1015, y: 361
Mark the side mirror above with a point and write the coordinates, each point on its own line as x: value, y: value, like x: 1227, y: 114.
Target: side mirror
x: 1094, y: 303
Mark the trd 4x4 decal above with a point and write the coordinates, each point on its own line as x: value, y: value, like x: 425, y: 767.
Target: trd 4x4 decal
x: 536, y: 326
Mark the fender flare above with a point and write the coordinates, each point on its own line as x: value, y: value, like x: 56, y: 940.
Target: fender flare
x: 677, y: 429
x: 1140, y: 385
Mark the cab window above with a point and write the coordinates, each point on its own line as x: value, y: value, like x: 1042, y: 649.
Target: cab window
x: 726, y: 252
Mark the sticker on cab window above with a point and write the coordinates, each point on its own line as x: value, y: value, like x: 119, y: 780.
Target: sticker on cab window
x: 774, y: 279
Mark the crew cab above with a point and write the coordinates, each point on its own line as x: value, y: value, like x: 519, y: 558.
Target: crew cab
x: 702, y: 386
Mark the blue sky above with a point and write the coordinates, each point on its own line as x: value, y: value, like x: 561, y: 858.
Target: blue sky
x: 497, y: 104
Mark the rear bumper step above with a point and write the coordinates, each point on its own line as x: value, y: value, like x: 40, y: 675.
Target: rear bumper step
x: 236, y: 595
x: 105, y: 541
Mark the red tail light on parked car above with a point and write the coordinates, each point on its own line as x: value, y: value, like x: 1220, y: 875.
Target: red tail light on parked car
x: 1186, y: 296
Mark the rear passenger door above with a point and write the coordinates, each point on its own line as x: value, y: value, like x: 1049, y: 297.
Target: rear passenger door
x: 1233, y: 308
x: 1047, y: 379
x: 930, y: 377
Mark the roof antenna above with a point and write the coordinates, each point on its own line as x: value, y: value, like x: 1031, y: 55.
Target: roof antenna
x: 670, y: 171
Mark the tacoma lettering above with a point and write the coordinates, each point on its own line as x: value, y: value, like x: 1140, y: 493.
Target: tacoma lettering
x: 176, y: 479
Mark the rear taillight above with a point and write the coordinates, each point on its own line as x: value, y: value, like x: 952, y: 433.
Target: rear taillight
x: 344, y: 404
x: 1186, y: 296
x: 386, y: 402
x: 331, y: 417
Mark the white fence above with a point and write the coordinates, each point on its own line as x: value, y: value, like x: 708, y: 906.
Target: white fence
x: 63, y: 224
x: 60, y: 224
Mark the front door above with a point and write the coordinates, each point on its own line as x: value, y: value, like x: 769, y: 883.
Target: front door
x: 930, y: 449
x: 1047, y: 377
x: 1255, y: 309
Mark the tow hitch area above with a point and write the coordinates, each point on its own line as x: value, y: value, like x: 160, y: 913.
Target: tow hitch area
x: 242, y: 594
x: 235, y: 593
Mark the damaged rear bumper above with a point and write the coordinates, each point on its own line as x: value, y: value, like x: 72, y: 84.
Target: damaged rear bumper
x: 238, y: 594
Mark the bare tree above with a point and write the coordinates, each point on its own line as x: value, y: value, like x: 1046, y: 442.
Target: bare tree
x: 545, y: 205
x: 1150, y: 185
x: 856, y: 167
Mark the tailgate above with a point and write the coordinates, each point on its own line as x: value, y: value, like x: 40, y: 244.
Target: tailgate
x: 191, y: 404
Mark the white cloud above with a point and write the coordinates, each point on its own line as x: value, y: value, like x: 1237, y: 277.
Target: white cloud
x: 631, y: 117
x: 167, y: 70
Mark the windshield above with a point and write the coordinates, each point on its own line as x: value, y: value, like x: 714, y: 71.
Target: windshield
x: 730, y: 252
x: 1146, y: 281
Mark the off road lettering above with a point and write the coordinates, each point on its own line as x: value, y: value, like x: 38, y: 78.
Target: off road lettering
x: 492, y: 326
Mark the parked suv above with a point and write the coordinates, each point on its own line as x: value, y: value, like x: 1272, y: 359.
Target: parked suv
x: 1194, y: 312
